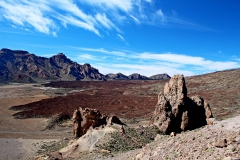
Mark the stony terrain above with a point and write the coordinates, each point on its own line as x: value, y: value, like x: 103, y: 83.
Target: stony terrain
x: 221, y: 89
x: 138, y: 98
x: 220, y: 141
x: 136, y: 102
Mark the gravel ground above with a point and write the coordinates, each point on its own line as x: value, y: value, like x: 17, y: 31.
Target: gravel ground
x: 203, y: 143
x: 18, y: 149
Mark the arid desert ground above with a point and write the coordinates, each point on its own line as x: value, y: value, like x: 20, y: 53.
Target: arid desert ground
x: 24, y: 132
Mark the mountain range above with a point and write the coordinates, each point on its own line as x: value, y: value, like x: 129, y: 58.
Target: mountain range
x: 21, y: 66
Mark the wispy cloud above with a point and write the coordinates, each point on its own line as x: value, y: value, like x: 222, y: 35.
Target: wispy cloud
x: 76, y: 22
x: 148, y: 63
x: 102, y: 19
x: 24, y: 14
x: 124, y: 5
x: 122, y: 39
x: 45, y: 16
x: 235, y: 58
x: 135, y: 19
x: 102, y: 50
x: 160, y: 14
x: 147, y: 70
x: 189, y: 60
x: 87, y: 57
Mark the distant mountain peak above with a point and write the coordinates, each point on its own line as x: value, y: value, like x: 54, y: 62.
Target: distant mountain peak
x: 57, y: 67
x: 136, y: 76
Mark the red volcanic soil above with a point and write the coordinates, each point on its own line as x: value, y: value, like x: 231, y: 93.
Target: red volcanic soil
x: 132, y: 99
x: 125, y: 99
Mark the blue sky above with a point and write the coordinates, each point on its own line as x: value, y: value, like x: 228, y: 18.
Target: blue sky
x: 128, y: 36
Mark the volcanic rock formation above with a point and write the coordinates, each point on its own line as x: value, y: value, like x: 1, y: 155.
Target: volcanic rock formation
x: 21, y: 66
x: 83, y: 119
x: 175, y: 112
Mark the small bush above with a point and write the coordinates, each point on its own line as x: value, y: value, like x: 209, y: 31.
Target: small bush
x: 56, y: 120
x: 133, y: 138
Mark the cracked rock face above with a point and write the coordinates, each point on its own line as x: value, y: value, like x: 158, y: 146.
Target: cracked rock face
x: 175, y: 112
x: 84, y: 119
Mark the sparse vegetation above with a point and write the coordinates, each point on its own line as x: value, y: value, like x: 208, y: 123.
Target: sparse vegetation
x: 46, y: 148
x: 175, y: 155
x: 133, y: 138
x: 56, y: 120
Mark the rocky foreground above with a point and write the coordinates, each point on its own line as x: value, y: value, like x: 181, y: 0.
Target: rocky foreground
x: 218, y: 141
x: 174, y: 113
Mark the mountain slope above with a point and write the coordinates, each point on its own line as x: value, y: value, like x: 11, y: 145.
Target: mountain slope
x: 136, y: 76
x: 160, y: 76
x: 21, y: 66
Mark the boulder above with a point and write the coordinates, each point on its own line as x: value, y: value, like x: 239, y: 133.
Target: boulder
x: 221, y: 143
x: 55, y: 156
x: 84, y: 119
x: 176, y: 112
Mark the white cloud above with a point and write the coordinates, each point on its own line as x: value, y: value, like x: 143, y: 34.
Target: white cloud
x: 23, y: 14
x: 135, y: 19
x: 76, y: 22
x: 72, y: 9
x: 189, y: 60
x: 102, y: 18
x: 101, y: 15
x: 54, y: 34
x: 87, y: 57
x: 172, y: 63
x: 122, y: 39
x: 149, y: 1
x: 147, y: 70
x: 102, y: 50
x: 124, y: 5
x: 235, y: 58
x: 160, y: 14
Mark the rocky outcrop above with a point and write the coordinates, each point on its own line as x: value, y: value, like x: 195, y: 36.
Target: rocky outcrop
x: 175, y: 112
x: 84, y: 119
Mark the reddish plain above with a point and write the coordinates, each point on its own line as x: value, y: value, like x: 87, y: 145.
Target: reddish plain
x: 137, y: 99
x: 125, y: 99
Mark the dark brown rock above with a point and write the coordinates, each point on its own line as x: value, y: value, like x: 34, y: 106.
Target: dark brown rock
x: 84, y: 119
x: 175, y: 112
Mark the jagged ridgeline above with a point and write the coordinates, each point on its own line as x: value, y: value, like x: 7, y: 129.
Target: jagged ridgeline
x: 21, y: 66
